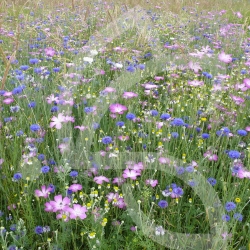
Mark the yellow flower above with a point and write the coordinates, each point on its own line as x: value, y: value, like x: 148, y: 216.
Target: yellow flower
x: 203, y: 119
x: 92, y: 235
x: 237, y: 200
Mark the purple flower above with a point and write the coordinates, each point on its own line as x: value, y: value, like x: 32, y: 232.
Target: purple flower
x: 130, y: 116
x: 45, y: 169
x: 174, y: 134
x: 205, y: 136
x: 230, y: 206
x: 226, y: 217
x: 163, y: 204
x: 73, y: 174
x: 212, y: 181
x: 238, y: 216
x: 154, y: 112
x: 106, y: 140
x: 242, y: 132
x: 165, y: 116
x: 17, y: 176
x: 39, y: 230
x: 177, y: 122
x: 233, y: 154
x: 35, y: 127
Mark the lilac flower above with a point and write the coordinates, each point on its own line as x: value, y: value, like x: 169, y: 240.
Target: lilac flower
x: 77, y: 211
x: 233, y: 154
x: 162, y: 203
x: 106, y: 140
x: 100, y: 179
x: 230, y: 206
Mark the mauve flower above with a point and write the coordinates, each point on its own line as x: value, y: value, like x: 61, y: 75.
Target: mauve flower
x: 75, y: 187
x: 151, y: 182
x: 60, y: 203
x: 132, y: 174
x: 44, y: 192
x: 77, y: 211
x: 109, y: 90
x: 49, y: 51
x: 225, y: 57
x: 82, y: 128
x: 100, y: 179
x: 8, y: 100
x: 195, y: 83
x: 57, y: 121
x: 158, y: 78
x: 246, y: 81
x: 117, y: 108
x: 164, y: 160
x: 128, y: 95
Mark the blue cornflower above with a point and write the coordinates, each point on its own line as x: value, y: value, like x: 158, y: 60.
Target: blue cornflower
x: 13, y: 227
x: 38, y: 230
x: 19, y: 133
x: 54, y: 109
x: 40, y: 140
x: 35, y: 127
x: 165, y: 116
x: 88, y: 109
x: 230, y: 206
x: 141, y: 66
x: 120, y: 123
x: 7, y: 119
x: 32, y: 104
x: 154, y: 112
x: 192, y: 183
x: 180, y: 170
x: 95, y: 125
x: 177, y: 122
x: 106, y: 140
x: 226, y: 217
x: 130, y: 116
x: 14, y: 109
x: 52, y: 162
x: 38, y: 70
x: 212, y: 181
x: 52, y: 188
x: 41, y: 157
x: 174, y: 134
x: 73, y: 174
x: 238, y: 216
x: 33, y: 61
x: 17, y: 90
x: 242, y: 132
x: 233, y: 154
x: 56, y: 70
x: 198, y: 130
x: 178, y: 191
x: 12, y: 247
x: 17, y: 176
x: 190, y: 169
x: 223, y: 132
x: 24, y: 67
x: 45, y: 169
x: 205, y: 136
x: 131, y: 68
x: 162, y: 204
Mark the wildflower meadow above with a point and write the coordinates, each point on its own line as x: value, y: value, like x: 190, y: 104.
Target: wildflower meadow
x: 124, y: 125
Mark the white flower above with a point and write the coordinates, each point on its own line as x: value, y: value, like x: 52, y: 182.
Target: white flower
x: 88, y: 59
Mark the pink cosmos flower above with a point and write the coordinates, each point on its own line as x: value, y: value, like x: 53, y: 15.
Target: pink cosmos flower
x: 60, y: 203
x: 100, y: 179
x: 246, y: 81
x: 128, y: 95
x: 210, y: 156
x: 82, y: 128
x: 238, y: 100
x: 52, y: 98
x: 225, y: 57
x: 149, y: 86
x: 111, y: 196
x: 158, y: 78
x: 117, y: 108
x: 238, y: 14
x: 195, y: 83
x: 194, y: 66
x: 118, y: 180
x: 77, y: 211
x: 151, y: 182
x: 44, y: 192
x: 57, y: 121
x: 7, y: 94
x: 75, y: 187
x: 138, y: 167
x: 109, y: 90
x: 49, y: 51
x: 132, y: 174
x: 8, y: 100
x: 48, y: 207
x: 163, y: 160
x: 120, y: 203
x: 69, y: 119
x: 247, y: 128
x: 63, y: 147
x: 123, y: 137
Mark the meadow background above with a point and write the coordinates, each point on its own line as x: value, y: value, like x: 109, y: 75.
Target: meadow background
x: 107, y: 106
